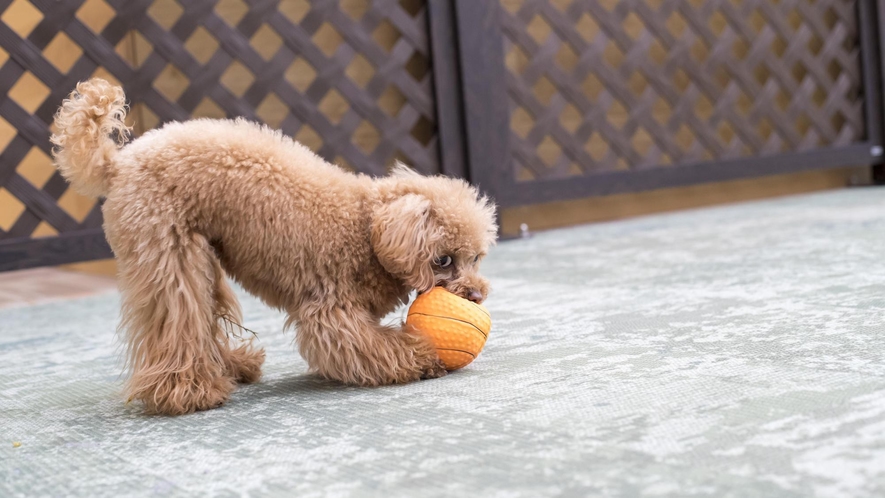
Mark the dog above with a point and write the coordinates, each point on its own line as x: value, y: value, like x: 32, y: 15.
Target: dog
x: 194, y: 201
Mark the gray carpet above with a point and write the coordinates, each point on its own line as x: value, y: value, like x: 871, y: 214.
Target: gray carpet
x: 733, y: 351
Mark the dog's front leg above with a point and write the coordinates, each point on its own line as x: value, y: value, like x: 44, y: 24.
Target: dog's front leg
x: 351, y: 346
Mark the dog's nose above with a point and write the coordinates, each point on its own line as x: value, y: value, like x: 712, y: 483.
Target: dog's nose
x: 474, y: 295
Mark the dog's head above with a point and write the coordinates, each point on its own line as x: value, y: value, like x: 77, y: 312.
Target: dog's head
x: 431, y: 231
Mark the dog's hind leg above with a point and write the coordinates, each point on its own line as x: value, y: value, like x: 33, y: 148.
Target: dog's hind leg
x: 351, y: 346
x: 243, y: 362
x: 179, y: 356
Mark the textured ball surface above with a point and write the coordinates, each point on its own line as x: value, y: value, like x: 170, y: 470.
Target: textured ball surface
x: 457, y: 327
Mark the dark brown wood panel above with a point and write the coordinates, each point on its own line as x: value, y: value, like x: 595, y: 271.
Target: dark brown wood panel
x: 607, y: 96
x: 352, y: 79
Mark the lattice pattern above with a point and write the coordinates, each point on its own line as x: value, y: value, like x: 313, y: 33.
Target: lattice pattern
x: 350, y: 79
x: 602, y: 85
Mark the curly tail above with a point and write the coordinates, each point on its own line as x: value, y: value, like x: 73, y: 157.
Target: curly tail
x: 91, y: 128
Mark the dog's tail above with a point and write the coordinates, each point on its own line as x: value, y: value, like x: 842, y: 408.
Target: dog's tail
x: 90, y: 129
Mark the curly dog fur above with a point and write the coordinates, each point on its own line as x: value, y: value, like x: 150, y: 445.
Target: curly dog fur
x: 193, y: 201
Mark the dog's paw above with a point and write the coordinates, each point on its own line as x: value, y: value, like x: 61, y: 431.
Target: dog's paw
x: 174, y: 396
x: 435, y: 370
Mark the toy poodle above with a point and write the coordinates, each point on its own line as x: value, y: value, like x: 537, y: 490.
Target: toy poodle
x: 193, y: 201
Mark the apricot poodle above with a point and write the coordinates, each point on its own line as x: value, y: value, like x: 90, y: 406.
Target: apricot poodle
x: 193, y: 201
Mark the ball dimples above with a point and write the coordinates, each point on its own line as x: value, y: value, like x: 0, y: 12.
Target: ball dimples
x: 458, y: 328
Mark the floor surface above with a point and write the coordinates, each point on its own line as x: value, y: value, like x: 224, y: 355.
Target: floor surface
x: 733, y: 351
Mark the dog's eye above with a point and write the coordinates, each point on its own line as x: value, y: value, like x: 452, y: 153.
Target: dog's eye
x: 476, y: 259
x: 443, y: 261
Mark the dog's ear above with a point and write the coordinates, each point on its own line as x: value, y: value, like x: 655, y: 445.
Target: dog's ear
x: 403, y: 238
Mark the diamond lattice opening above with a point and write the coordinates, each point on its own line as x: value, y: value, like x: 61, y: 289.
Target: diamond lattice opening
x: 134, y: 48
x: 570, y: 118
x: 838, y: 121
x: 561, y: 5
x: 386, y: 35
x: 566, y: 57
x: 641, y: 141
x: 391, y: 101
x: 354, y: 8
x: 300, y: 74
x: 521, y: 122
x: 360, y: 70
x: 633, y: 26
x: 802, y: 124
x: 366, y: 137
x: 43, y: 230
x: 699, y: 51
x: 7, y: 133
x: 740, y: 48
x: 294, y: 10
x: 201, y: 45
x: 418, y: 66
x: 516, y: 60
x: 412, y: 7
x: 333, y: 106
x: 272, y: 110
x: 592, y: 87
x: 538, y: 29
x: 549, y: 151
x: 171, y: 82
x: 237, y: 78
x: 232, y: 11
x: 661, y: 110
x: 703, y: 108
x: 778, y: 46
x: 327, y: 39
x: 165, y: 12
x: 36, y: 167
x: 725, y: 132
x: 799, y: 72
x: 95, y: 14
x: 62, y: 52
x: 815, y: 44
x: 512, y: 6
x: 266, y: 42
x: 21, y: 17
x: 596, y: 146
x: 29, y: 92
x: 76, y: 205
x: 830, y: 18
x: 757, y: 20
x: 819, y: 96
x: 145, y: 119
x: 613, y: 55
x: 423, y: 131
x: 617, y: 114
x: 12, y: 209
x: 637, y: 83
x: 684, y: 137
x: 544, y: 90
x: 207, y: 108
x: 676, y: 24
x: 717, y: 23
x: 794, y: 18
x: 587, y: 27
x: 309, y: 138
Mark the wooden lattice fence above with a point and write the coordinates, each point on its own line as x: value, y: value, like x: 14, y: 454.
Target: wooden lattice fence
x: 534, y: 100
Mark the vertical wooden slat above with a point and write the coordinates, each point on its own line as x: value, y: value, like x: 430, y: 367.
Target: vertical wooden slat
x: 486, y: 113
x: 447, y: 87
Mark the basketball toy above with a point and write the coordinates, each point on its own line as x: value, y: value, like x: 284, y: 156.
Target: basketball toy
x: 457, y: 327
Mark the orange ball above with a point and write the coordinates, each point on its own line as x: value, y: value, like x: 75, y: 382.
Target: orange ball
x: 457, y: 327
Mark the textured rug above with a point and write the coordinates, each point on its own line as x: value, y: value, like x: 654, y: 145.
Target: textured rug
x: 734, y: 351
